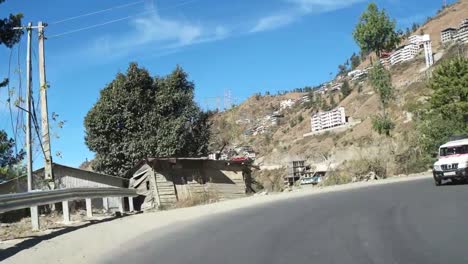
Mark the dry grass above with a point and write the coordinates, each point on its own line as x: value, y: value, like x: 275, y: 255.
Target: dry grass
x: 198, y: 199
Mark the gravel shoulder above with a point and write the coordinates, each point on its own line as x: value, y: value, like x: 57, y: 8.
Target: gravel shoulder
x: 94, y: 242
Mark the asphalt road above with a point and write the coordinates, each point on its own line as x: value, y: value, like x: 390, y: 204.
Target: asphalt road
x: 408, y: 222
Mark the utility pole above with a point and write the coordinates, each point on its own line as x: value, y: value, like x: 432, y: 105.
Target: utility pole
x: 48, y: 174
x: 34, y: 212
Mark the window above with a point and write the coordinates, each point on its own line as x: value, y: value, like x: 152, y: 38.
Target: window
x: 147, y: 185
x: 454, y: 150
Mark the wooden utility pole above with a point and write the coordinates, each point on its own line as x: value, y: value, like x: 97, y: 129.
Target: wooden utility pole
x: 48, y: 175
x: 34, y: 213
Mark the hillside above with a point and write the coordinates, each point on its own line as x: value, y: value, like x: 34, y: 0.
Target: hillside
x: 284, y: 141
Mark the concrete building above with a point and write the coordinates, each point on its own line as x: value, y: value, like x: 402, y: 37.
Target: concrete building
x: 336, y: 87
x: 460, y: 34
x: 330, y: 119
x: 161, y: 182
x: 447, y: 35
x: 404, y: 53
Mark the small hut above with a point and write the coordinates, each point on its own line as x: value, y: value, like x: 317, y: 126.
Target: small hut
x: 161, y: 182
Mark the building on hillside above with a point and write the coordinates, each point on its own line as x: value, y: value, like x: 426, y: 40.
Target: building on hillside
x: 330, y: 119
x: 409, y: 51
x: 285, y: 104
x: 66, y: 177
x: 385, y: 59
x: 447, y: 35
x: 336, y: 87
x: 161, y: 182
x: 357, y: 74
x: 404, y: 53
x: 459, y: 34
x: 462, y: 32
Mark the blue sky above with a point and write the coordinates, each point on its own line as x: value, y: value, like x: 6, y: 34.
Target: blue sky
x: 245, y: 46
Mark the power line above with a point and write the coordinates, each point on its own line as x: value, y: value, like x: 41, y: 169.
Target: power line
x: 96, y: 12
x: 121, y: 19
x: 9, y: 102
x: 98, y: 25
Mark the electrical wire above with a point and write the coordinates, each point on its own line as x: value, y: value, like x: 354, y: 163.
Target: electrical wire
x: 121, y: 19
x: 9, y: 101
x: 95, y: 12
x: 19, y: 115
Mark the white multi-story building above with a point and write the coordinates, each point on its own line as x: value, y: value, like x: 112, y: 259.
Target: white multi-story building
x: 447, y: 35
x: 330, y: 119
x: 404, y: 53
x: 409, y: 51
x: 459, y: 35
x: 462, y: 32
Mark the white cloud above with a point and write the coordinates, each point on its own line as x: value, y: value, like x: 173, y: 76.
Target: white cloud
x: 155, y: 33
x: 323, y: 5
x: 298, y: 9
x: 272, y: 22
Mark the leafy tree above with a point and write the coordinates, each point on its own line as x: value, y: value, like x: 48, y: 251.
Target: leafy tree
x: 342, y: 69
x: 381, y: 80
x: 8, y: 35
x: 414, y: 27
x: 8, y: 158
x: 333, y: 103
x: 375, y: 31
x: 355, y: 61
x: 449, y: 83
x: 138, y: 116
x: 448, y: 111
x: 300, y: 118
x: 345, y: 89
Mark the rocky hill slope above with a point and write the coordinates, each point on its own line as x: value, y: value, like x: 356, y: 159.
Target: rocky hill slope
x: 276, y: 132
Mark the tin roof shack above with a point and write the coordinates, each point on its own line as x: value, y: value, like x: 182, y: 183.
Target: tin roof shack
x: 68, y: 177
x: 162, y: 182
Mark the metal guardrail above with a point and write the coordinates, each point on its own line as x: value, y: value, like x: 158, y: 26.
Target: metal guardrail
x: 9, y: 202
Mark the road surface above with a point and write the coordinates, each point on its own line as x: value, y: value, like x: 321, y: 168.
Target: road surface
x: 405, y: 222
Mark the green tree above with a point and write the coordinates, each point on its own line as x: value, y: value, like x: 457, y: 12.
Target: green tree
x: 345, y: 89
x: 342, y: 69
x: 333, y: 103
x: 8, y: 158
x: 8, y: 38
x: 447, y: 114
x: 355, y: 61
x: 138, y: 117
x: 381, y: 80
x: 8, y: 35
x: 375, y: 31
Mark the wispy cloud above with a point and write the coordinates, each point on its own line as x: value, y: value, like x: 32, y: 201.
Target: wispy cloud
x: 154, y: 32
x: 298, y: 9
x: 310, y: 6
x: 272, y: 22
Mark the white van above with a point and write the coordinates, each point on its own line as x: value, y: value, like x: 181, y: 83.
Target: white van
x: 452, y: 162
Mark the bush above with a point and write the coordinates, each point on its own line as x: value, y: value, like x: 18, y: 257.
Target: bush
x: 356, y: 170
x: 271, y: 180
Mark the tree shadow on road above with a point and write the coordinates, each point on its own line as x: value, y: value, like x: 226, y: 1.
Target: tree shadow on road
x: 33, y: 241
